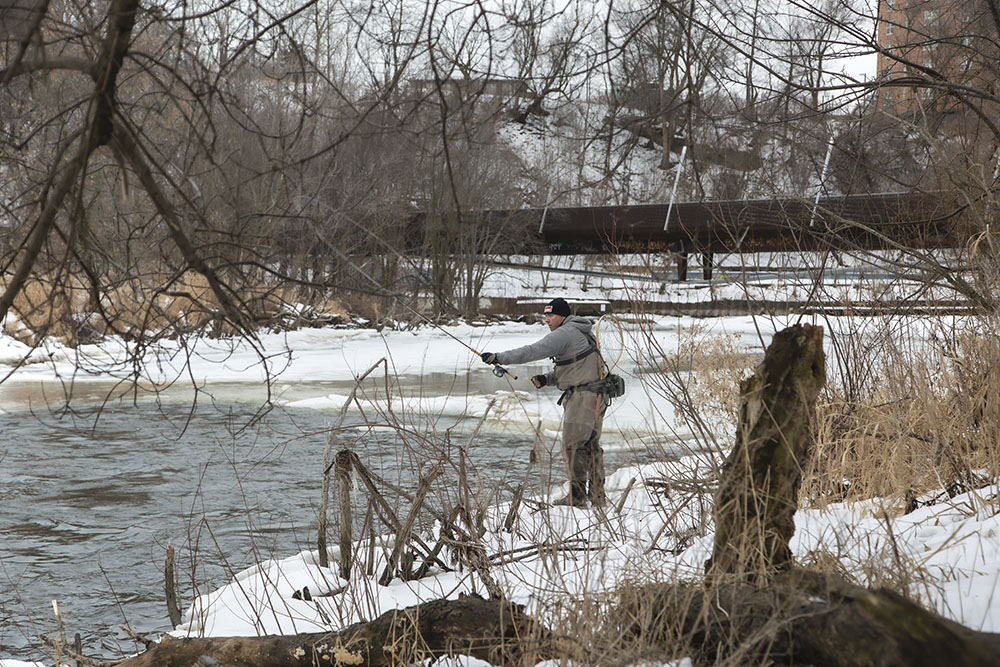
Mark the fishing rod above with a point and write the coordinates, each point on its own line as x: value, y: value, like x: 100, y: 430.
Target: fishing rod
x: 498, y: 370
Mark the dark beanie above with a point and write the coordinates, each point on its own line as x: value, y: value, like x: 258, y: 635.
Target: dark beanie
x: 557, y: 306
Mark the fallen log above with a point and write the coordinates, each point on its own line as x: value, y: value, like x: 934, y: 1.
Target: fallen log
x: 805, y: 618
x: 497, y: 632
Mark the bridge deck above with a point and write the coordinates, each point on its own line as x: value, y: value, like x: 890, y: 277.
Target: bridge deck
x: 870, y: 221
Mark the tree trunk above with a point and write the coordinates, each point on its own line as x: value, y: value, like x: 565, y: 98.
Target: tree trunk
x: 758, y: 492
x: 497, y: 632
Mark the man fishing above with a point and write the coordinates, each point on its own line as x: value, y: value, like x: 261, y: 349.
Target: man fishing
x: 578, y: 371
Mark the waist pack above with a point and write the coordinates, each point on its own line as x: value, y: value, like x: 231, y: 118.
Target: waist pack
x: 614, y: 386
x: 610, y: 387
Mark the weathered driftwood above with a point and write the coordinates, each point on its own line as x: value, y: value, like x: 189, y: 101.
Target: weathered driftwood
x: 758, y: 491
x: 324, y: 499
x: 497, y: 632
x: 805, y: 618
x: 170, y: 588
x: 342, y: 473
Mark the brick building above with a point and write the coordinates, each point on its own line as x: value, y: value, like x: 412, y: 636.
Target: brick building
x: 931, y: 42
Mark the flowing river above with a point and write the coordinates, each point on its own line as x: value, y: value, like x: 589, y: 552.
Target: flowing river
x: 91, y: 499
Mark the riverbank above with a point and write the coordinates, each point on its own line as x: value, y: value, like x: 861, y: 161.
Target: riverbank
x: 429, y: 398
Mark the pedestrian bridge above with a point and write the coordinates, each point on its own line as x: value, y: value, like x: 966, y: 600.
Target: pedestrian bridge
x: 871, y: 222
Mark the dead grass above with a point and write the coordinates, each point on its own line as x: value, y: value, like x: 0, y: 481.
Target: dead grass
x: 637, y: 626
x: 154, y: 304
x: 48, y: 306
x: 902, y: 415
x: 703, y: 378
x: 930, y: 421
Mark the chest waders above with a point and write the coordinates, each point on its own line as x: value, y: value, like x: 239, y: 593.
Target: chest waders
x: 583, y: 419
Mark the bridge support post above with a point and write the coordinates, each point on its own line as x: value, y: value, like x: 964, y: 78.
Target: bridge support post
x: 683, y: 248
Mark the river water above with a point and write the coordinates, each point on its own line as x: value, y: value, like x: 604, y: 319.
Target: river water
x: 91, y: 499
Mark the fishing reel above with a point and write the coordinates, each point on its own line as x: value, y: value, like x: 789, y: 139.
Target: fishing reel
x: 500, y: 371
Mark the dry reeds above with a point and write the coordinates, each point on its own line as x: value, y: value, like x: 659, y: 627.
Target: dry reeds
x: 927, y: 421
x: 713, y: 367
x: 49, y: 305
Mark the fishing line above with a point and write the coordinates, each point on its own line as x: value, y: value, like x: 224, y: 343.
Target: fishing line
x: 498, y: 370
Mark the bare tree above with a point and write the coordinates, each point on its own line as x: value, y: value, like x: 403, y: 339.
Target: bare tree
x: 168, y: 172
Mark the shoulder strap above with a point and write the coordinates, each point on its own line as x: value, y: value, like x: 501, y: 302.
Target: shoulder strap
x: 586, y: 353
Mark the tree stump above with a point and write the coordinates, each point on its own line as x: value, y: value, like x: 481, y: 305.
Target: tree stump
x: 758, y: 492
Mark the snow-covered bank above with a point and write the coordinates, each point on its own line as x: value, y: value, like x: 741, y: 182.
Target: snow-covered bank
x: 949, y: 548
x: 337, y: 354
x: 316, y: 367
x: 428, y: 369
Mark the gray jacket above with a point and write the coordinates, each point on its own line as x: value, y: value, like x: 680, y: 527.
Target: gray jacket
x: 566, y: 342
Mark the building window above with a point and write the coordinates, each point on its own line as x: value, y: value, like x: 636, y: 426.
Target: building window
x: 888, y: 28
x: 931, y: 16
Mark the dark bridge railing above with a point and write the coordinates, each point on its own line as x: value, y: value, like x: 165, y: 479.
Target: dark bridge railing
x: 872, y: 221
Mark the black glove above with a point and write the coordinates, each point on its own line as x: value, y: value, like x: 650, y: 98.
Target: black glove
x: 489, y: 357
x: 539, y: 381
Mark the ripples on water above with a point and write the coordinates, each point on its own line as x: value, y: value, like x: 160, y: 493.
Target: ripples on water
x: 88, y: 510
